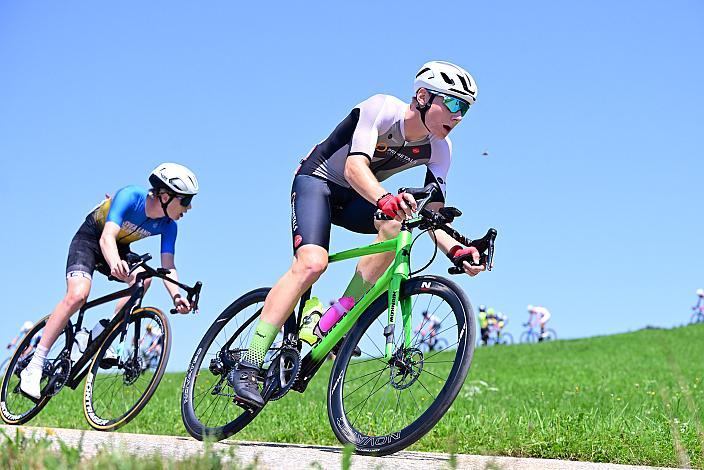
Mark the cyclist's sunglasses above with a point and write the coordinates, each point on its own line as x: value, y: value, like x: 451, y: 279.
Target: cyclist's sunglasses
x: 184, y: 199
x: 452, y: 103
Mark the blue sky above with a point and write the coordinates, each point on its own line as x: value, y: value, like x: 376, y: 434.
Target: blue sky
x: 591, y: 114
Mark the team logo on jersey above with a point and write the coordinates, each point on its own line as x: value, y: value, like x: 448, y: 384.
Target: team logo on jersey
x: 297, y: 240
x: 415, y: 150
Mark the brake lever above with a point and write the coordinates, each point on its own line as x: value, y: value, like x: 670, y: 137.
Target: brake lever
x: 193, y: 298
x: 485, y: 246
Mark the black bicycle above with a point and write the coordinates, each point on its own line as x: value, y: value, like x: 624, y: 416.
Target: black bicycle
x: 117, y: 385
x: 382, y: 400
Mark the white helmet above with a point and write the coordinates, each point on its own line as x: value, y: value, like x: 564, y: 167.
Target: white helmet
x: 530, y: 308
x: 446, y: 78
x: 26, y: 326
x: 174, y: 177
x: 700, y: 292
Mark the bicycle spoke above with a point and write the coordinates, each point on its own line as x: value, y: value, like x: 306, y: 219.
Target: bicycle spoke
x: 380, y: 372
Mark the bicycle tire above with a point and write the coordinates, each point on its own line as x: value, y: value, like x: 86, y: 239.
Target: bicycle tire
x: 389, y: 442
x: 529, y: 336
x: 199, y: 427
x: 129, y: 372
x: 9, y: 390
x: 506, y: 339
x: 551, y: 335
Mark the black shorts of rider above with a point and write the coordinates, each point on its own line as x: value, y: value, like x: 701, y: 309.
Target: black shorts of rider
x: 316, y: 204
x: 84, y: 254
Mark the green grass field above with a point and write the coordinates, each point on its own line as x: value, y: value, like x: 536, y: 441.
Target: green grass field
x: 632, y: 398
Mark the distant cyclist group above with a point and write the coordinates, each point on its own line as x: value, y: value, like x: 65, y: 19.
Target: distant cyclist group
x: 492, y: 324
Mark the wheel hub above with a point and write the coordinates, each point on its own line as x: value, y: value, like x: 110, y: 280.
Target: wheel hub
x: 406, y: 366
x: 133, y: 369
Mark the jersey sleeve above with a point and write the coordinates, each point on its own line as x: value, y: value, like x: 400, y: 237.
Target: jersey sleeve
x: 124, y: 201
x: 373, y: 116
x: 168, y: 238
x: 439, y: 165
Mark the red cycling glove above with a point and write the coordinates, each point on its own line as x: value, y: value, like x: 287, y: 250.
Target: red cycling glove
x: 389, y: 204
x: 457, y: 252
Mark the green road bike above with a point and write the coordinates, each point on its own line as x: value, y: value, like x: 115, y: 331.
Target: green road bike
x: 382, y: 401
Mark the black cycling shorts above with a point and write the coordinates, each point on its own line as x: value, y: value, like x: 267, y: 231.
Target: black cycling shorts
x: 317, y: 203
x: 84, y: 254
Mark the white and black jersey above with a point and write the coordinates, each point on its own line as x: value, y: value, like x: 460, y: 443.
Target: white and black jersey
x: 374, y: 129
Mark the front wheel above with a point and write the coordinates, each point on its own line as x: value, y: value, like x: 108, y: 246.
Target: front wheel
x: 118, y: 385
x: 530, y: 336
x: 383, y: 406
x: 697, y: 317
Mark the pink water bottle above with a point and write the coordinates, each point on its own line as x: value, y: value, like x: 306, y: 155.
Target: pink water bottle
x: 334, y: 313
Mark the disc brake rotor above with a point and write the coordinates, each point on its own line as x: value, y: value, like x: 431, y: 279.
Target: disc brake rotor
x: 406, y: 366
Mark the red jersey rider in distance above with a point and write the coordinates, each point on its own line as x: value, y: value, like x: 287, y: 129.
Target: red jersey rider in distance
x: 339, y: 183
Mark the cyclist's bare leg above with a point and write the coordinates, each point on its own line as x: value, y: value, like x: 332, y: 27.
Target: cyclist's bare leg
x: 77, y: 290
x: 309, y: 263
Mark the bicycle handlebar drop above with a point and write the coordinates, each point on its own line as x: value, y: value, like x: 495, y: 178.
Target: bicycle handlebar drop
x: 135, y: 261
x: 440, y: 220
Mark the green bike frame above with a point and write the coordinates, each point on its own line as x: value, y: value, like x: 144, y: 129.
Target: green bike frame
x: 389, y: 281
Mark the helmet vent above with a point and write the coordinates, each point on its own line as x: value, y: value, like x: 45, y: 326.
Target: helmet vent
x: 464, y: 83
x: 447, y: 79
x: 426, y: 69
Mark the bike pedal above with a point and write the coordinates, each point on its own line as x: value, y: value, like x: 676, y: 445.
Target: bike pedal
x: 248, y: 407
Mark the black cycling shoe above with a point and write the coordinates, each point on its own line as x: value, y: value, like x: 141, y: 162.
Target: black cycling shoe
x: 243, y: 380
x: 336, y: 349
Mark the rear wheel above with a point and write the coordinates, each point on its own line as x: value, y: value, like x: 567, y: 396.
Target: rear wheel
x: 119, y: 384
x: 505, y: 338
x: 15, y: 406
x: 382, y: 406
x: 207, y: 406
x: 550, y: 335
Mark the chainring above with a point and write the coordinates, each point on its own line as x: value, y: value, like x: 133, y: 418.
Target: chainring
x: 282, y: 373
x: 59, y: 372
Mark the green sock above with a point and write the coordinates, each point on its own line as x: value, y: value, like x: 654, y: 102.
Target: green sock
x: 357, y: 287
x: 264, y: 336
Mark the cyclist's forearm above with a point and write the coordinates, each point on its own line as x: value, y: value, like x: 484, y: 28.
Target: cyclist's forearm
x: 445, y: 242
x: 360, y: 177
x: 172, y: 288
x: 108, y: 246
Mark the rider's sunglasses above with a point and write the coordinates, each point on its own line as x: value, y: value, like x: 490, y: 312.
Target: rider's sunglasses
x: 452, y: 103
x: 184, y: 199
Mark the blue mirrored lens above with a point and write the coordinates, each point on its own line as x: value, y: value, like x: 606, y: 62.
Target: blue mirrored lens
x: 456, y: 104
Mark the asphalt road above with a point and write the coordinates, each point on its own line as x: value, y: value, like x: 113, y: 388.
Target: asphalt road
x: 294, y: 456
